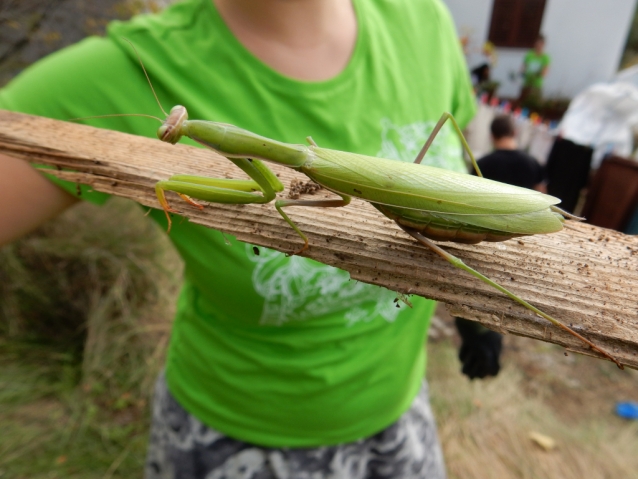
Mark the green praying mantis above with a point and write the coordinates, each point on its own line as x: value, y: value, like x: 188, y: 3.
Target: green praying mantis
x: 428, y: 203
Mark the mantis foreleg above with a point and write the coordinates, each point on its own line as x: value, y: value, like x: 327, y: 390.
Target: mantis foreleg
x: 261, y: 189
x: 458, y: 263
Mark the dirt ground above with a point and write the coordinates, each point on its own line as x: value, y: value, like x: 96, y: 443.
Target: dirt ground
x: 573, y: 385
x: 570, y: 399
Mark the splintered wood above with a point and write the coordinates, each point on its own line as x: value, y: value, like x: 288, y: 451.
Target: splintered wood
x: 584, y: 276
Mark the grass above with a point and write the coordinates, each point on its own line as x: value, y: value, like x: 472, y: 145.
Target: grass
x: 51, y: 428
x: 85, y: 306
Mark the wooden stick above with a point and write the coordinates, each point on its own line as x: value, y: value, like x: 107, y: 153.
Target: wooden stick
x: 587, y: 277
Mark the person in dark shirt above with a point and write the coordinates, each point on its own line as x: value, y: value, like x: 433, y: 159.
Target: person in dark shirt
x: 507, y: 163
x: 480, y: 347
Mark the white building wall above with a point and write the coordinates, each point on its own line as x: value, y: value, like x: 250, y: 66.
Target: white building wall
x: 472, y: 19
x: 585, y: 40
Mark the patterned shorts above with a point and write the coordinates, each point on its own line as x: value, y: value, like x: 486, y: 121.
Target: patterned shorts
x: 181, y: 447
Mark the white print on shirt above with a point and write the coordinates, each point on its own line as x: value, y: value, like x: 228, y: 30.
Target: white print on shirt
x: 295, y: 288
x: 534, y: 66
x: 404, y: 143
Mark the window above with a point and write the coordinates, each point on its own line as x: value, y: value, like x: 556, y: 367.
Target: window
x: 516, y: 23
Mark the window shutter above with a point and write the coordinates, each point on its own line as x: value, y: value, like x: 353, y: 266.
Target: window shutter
x: 516, y: 23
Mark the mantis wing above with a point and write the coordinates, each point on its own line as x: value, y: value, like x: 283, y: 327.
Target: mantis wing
x: 419, y: 193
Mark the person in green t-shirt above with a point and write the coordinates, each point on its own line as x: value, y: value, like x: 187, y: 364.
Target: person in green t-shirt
x: 534, y: 68
x: 277, y: 366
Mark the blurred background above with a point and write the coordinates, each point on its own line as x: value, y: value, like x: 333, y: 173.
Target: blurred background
x: 86, y: 301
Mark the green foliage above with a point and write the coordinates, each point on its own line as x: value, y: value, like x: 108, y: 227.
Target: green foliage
x: 546, y: 108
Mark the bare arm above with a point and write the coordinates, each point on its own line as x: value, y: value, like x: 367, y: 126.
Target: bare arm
x: 27, y: 199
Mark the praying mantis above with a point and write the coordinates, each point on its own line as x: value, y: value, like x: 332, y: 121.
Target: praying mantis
x: 427, y: 203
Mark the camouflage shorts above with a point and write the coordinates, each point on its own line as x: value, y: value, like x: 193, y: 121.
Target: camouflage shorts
x: 181, y: 447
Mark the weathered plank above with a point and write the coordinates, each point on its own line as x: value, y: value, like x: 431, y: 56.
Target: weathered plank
x: 585, y: 276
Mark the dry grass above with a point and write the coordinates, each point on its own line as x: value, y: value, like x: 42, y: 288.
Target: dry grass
x: 98, y: 282
x: 85, y: 312
x: 485, y: 426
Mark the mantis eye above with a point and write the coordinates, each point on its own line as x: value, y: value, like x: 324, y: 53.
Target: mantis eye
x: 162, y: 132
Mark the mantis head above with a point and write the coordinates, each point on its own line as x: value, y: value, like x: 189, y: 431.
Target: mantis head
x: 171, y: 129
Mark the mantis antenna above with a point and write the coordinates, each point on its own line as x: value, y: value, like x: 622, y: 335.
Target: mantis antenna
x: 132, y: 114
x: 145, y: 73
x: 116, y: 114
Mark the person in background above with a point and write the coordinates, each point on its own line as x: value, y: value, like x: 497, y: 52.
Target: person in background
x: 507, y: 163
x: 481, y: 348
x: 535, y: 65
x: 481, y: 65
x: 278, y: 366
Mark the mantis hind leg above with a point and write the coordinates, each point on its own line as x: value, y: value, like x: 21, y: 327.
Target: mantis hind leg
x: 445, y: 117
x: 458, y: 263
x: 566, y: 214
x: 280, y: 204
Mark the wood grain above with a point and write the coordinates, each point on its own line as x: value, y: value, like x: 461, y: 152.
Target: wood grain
x: 585, y: 276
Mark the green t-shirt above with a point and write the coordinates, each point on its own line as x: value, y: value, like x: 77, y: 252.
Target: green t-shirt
x: 533, y: 66
x: 269, y: 349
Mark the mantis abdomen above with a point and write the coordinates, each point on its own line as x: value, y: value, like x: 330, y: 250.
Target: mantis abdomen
x: 442, y: 205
